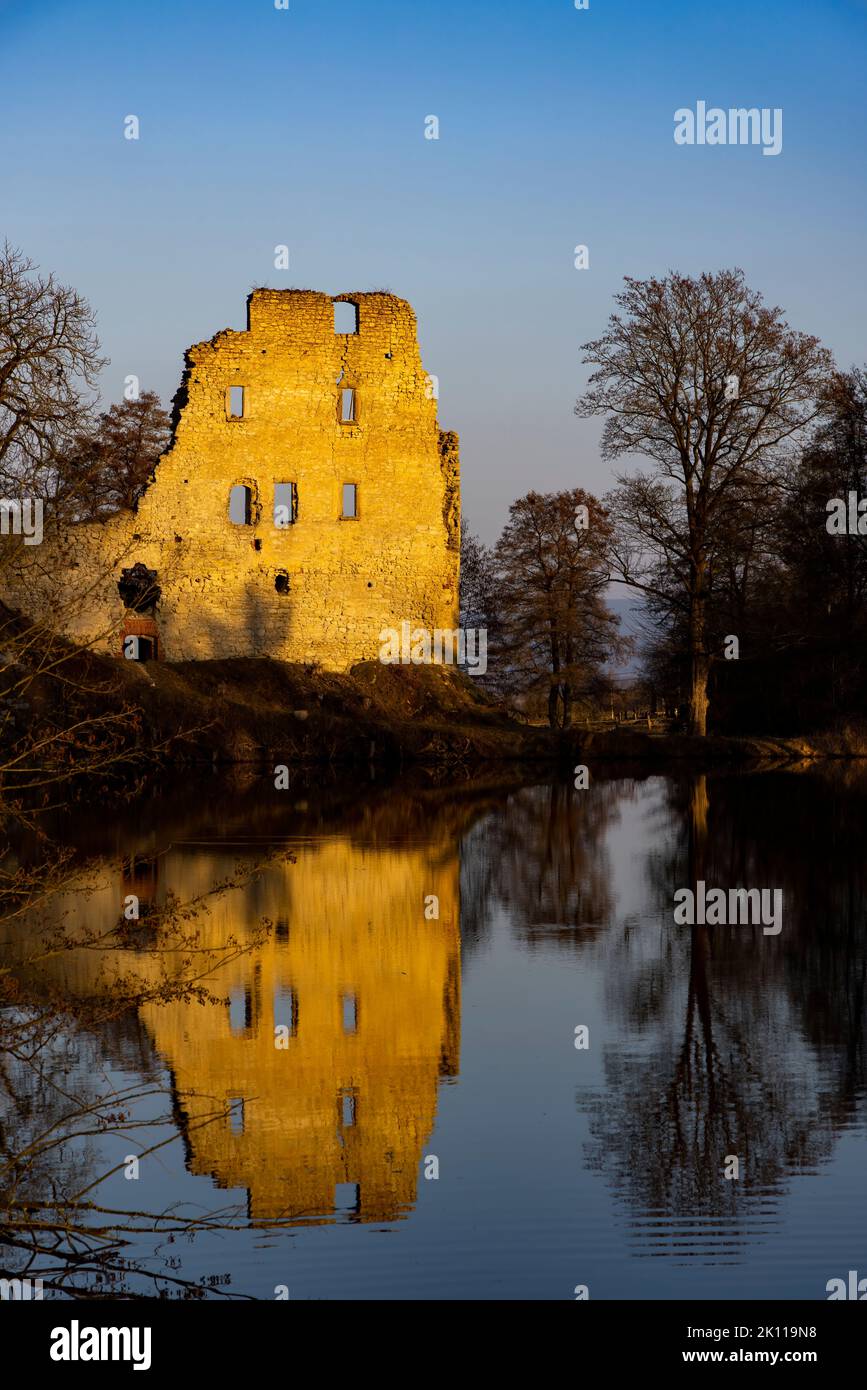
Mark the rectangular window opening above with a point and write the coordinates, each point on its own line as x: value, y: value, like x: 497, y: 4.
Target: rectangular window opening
x: 350, y: 500
x: 236, y: 402
x: 285, y: 504
x: 241, y: 505
x: 345, y: 316
x: 347, y: 405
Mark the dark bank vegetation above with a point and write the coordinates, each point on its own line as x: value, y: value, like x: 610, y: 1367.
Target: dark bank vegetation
x: 97, y: 726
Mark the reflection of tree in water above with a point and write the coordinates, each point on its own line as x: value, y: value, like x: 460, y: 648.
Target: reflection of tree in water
x: 543, y: 858
x: 478, y: 877
x: 750, y: 1045
x: 37, y: 1092
x: 808, y: 838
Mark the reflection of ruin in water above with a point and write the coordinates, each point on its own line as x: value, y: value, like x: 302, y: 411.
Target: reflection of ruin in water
x: 331, y: 1038
x: 367, y: 993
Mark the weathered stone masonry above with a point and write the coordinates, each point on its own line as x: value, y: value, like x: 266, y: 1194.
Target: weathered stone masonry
x: 322, y: 587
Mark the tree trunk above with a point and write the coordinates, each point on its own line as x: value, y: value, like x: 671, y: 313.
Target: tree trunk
x: 554, y: 691
x: 553, y: 700
x: 567, y: 705
x: 699, y: 669
x: 697, y: 715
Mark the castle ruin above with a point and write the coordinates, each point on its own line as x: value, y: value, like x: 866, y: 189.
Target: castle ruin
x: 307, y: 501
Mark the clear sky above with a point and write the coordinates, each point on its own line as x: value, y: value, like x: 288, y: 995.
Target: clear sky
x: 306, y: 127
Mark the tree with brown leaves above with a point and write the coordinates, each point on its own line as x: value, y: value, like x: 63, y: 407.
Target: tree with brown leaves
x: 110, y: 464
x: 551, y: 570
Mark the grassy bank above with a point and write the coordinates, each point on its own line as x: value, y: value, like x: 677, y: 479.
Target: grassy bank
x: 243, y: 711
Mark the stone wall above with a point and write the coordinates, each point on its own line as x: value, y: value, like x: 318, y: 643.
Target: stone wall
x: 342, y: 579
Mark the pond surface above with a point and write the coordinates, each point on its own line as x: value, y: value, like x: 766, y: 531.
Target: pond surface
x: 387, y: 1063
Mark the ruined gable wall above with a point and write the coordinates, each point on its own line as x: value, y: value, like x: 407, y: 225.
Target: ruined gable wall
x: 348, y: 579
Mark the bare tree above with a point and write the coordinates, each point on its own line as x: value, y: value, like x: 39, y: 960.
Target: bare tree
x: 700, y: 376
x: 62, y: 715
x: 49, y: 362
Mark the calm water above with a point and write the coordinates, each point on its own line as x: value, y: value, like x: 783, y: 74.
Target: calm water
x: 414, y: 1045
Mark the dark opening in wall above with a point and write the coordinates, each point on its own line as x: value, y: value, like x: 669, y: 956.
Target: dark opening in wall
x: 140, y: 637
x: 136, y: 648
x: 281, y: 583
x: 138, y: 588
x: 241, y: 505
x: 345, y: 316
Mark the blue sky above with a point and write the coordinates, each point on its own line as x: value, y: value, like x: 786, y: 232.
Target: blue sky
x: 306, y: 127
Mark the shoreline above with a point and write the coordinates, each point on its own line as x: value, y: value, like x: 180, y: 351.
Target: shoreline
x: 259, y: 712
